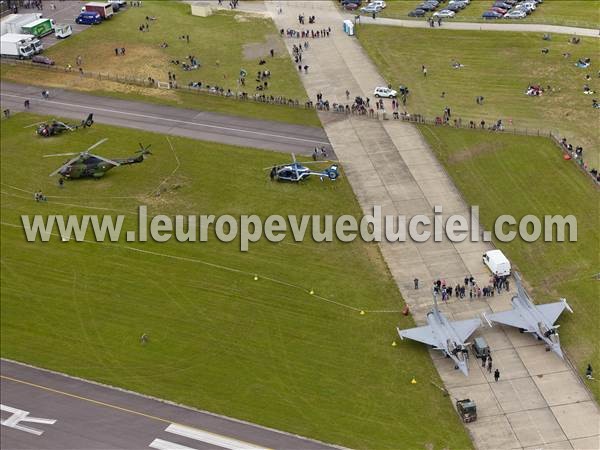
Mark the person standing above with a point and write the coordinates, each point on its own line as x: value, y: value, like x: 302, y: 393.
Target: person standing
x: 416, y: 280
x: 496, y: 375
x: 489, y: 366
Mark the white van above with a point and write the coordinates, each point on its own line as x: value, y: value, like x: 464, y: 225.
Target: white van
x: 497, y: 263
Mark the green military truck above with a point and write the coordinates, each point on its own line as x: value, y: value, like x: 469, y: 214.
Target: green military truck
x: 39, y: 27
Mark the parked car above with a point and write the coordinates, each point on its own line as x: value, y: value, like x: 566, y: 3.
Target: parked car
x: 427, y: 6
x: 370, y: 9
x: 41, y: 59
x: 379, y: 3
x: 522, y: 8
x: 444, y: 13
x: 347, y: 2
x: 502, y: 5
x: 451, y: 2
x: 515, y: 14
x: 88, y: 18
x: 499, y: 10
x: 417, y: 13
x: 457, y: 5
x: 528, y: 5
x: 491, y: 15
x: 351, y: 6
x: 385, y: 92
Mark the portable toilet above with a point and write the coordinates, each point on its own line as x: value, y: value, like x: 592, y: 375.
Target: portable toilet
x: 348, y: 27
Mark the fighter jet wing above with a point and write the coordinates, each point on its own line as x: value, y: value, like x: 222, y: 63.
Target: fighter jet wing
x: 551, y: 311
x: 510, y: 317
x: 421, y: 334
x: 465, y: 328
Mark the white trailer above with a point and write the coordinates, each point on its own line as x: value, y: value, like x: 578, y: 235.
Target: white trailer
x: 15, y: 46
x: 14, y: 22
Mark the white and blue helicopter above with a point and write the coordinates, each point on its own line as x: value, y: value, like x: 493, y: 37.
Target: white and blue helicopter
x: 296, y: 172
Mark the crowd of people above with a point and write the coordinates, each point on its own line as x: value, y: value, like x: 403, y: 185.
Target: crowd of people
x: 445, y: 291
x: 576, y: 153
x: 304, y: 34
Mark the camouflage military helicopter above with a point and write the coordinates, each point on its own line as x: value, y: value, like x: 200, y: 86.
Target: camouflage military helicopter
x: 47, y: 129
x: 88, y: 165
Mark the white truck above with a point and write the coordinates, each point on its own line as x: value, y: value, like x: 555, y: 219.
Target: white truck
x: 15, y: 46
x: 497, y: 263
x: 14, y: 22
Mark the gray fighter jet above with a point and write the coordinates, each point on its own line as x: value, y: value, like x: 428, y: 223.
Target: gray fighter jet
x: 536, y: 319
x: 448, y: 337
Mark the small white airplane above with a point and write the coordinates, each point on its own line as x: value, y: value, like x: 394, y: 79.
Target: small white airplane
x: 536, y: 319
x: 448, y: 337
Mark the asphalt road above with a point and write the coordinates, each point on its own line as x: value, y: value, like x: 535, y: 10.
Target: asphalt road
x: 166, y: 119
x: 46, y: 410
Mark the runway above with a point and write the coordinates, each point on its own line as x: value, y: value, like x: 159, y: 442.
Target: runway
x: 188, y: 123
x: 42, y: 409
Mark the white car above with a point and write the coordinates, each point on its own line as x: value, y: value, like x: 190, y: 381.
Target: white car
x: 444, y: 13
x: 370, y: 9
x: 515, y: 14
x: 385, y: 92
x: 379, y: 3
x: 528, y: 5
x: 459, y: 1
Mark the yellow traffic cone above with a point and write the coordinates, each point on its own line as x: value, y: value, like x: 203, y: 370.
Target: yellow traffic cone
x: 362, y: 313
x: 413, y: 381
x: 255, y: 277
x: 394, y: 343
x: 312, y: 292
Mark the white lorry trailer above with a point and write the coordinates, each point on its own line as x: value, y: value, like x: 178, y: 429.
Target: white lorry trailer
x: 14, y: 22
x: 16, y: 46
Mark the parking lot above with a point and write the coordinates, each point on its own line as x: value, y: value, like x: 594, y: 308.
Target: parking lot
x: 65, y: 12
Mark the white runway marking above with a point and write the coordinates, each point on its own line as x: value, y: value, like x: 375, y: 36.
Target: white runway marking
x: 211, y: 438
x: 18, y: 416
x: 112, y: 111
x: 159, y: 444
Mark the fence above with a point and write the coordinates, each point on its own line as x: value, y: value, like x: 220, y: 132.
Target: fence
x: 334, y: 109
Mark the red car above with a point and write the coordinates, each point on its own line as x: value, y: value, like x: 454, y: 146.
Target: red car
x: 351, y: 6
x: 499, y: 10
x: 40, y: 59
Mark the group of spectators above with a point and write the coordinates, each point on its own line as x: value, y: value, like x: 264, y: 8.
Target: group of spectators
x: 496, y: 284
x: 303, y: 34
x: 576, y: 153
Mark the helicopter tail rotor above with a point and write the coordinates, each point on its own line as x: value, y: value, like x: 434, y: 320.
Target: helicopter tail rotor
x: 144, y: 150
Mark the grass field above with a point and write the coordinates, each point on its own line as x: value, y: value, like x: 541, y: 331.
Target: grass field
x: 574, y: 13
x: 266, y: 351
x: 498, y: 66
x: 223, y: 43
x: 518, y: 175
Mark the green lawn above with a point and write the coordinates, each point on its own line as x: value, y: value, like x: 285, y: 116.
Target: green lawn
x: 223, y: 43
x: 498, y: 66
x: 574, y: 13
x: 265, y: 351
x: 516, y: 175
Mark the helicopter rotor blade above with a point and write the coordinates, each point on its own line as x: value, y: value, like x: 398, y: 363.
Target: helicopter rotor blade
x: 34, y: 124
x: 61, y: 154
x: 294, y: 157
x: 67, y: 164
x: 110, y: 161
x: 96, y: 145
